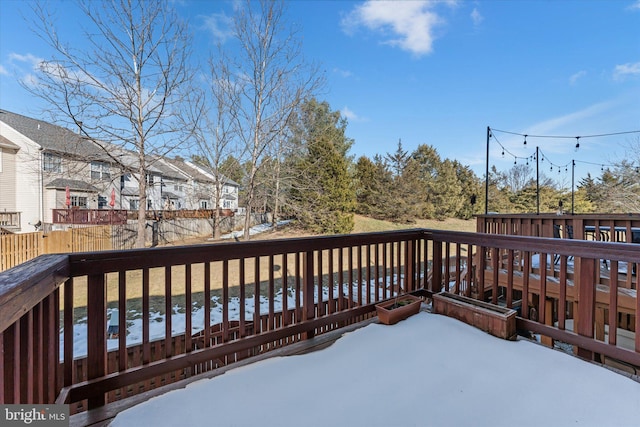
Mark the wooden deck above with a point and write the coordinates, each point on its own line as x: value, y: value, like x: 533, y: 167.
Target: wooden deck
x: 352, y: 273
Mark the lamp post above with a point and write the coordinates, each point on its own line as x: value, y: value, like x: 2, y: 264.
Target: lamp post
x: 537, y: 182
x: 486, y: 176
x: 573, y: 174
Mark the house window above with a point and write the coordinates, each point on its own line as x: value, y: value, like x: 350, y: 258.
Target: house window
x: 204, y: 204
x: 51, y: 163
x: 100, y: 170
x: 134, y: 204
x: 79, y: 202
x: 102, y: 202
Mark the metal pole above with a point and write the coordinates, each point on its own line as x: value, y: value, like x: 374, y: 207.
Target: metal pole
x: 573, y: 174
x: 486, y: 176
x: 537, y: 181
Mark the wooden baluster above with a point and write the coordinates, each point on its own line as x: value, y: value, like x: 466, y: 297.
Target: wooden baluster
x: 97, y: 333
x: 168, y: 312
x: 243, y: 295
x: 330, y: 283
x: 584, y: 277
x: 225, y: 302
x: 308, y: 295
x: 207, y: 304
x: 436, y: 277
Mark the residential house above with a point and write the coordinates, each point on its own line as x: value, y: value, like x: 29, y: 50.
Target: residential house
x: 199, y: 193
x: 45, y: 167
x: 51, y: 168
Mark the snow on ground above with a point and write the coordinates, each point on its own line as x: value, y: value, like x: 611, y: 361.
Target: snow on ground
x: 257, y: 229
x: 428, y: 370
x: 178, y: 317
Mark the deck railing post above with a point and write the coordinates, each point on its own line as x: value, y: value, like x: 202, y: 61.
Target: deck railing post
x: 96, y: 333
x: 585, y: 274
x: 436, y: 277
x: 308, y: 293
x: 410, y: 263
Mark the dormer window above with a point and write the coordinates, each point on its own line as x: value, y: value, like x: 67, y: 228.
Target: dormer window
x: 100, y: 171
x: 51, y: 163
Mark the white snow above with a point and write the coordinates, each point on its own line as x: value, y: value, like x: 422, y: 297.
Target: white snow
x: 428, y: 370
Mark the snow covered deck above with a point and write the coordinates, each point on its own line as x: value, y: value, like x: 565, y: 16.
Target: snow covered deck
x: 426, y: 370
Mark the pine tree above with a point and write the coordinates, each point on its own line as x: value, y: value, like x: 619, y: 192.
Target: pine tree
x: 324, y: 198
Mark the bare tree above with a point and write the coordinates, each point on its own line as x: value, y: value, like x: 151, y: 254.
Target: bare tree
x: 273, y: 80
x: 126, y: 91
x: 214, y: 134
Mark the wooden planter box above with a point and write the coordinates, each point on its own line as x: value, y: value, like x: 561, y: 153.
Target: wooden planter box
x: 496, y: 320
x: 389, y: 315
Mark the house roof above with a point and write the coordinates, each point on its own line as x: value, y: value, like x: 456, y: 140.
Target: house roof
x: 73, y: 184
x: 189, y: 170
x: 208, y: 170
x: 52, y: 137
x: 166, y: 170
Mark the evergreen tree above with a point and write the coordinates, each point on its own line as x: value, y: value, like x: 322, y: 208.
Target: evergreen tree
x: 324, y: 200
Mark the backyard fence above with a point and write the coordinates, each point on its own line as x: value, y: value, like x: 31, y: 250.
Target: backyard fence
x: 18, y: 248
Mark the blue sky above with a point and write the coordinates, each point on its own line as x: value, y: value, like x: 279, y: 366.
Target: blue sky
x: 437, y: 73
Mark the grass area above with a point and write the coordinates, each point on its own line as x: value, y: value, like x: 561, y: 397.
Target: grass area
x: 367, y: 225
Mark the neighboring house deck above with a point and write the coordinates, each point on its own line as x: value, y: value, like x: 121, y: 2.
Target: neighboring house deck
x: 44, y: 167
x: 263, y: 296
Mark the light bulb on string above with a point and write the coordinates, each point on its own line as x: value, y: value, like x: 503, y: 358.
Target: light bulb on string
x: 577, y: 142
x: 525, y: 140
x: 503, y: 153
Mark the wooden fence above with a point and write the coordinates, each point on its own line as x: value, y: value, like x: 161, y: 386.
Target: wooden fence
x: 18, y: 248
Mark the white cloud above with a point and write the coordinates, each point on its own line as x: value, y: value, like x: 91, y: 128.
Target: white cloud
x: 30, y: 80
x: 577, y: 76
x: 624, y: 70
x: 343, y: 73
x: 350, y: 115
x: 219, y: 25
x: 30, y: 59
x: 476, y: 17
x: 635, y: 5
x: 3, y: 71
x: 571, y: 120
x: 409, y: 25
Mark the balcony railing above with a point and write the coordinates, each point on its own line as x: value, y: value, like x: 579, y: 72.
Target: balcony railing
x: 57, y: 345
x: 89, y: 216
x: 609, y: 227
x: 119, y: 216
x: 10, y: 220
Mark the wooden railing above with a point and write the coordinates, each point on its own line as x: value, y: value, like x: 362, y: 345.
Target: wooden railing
x: 10, y: 220
x: 327, y: 282
x: 89, y: 216
x: 609, y: 227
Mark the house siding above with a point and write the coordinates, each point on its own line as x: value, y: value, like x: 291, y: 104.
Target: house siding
x: 27, y: 178
x: 7, y: 180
